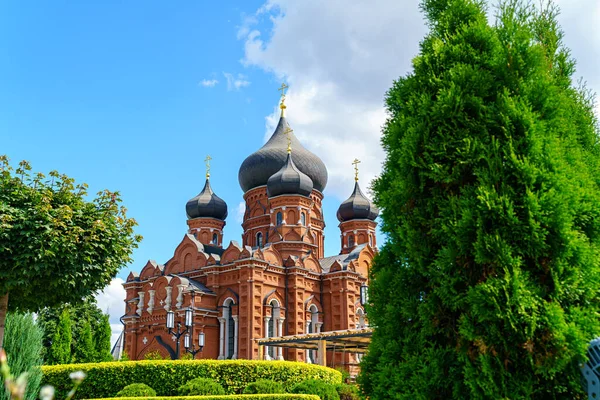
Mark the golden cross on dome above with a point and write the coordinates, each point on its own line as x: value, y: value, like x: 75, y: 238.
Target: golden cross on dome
x: 282, y: 103
x: 207, y: 161
x: 355, y: 163
x: 288, y: 131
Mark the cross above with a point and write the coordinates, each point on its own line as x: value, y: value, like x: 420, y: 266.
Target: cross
x: 355, y: 163
x: 282, y: 104
x: 288, y: 131
x: 145, y: 340
x: 282, y: 89
x: 207, y: 161
x: 162, y: 302
x: 174, y: 338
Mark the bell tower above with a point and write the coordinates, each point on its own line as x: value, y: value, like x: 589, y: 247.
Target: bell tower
x: 206, y: 214
x: 357, y: 218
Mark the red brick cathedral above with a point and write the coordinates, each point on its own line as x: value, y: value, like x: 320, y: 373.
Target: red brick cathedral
x: 277, y: 282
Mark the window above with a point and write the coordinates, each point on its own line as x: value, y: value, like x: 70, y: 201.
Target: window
x: 259, y: 240
x: 228, y: 348
x: 279, y: 218
x: 351, y: 241
x: 215, y: 240
x: 272, y: 329
x: 230, y: 332
x: 311, y: 355
x: 303, y: 219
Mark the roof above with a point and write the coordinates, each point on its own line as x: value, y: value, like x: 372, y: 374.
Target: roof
x: 259, y: 166
x: 206, y: 205
x: 195, y: 284
x: 357, y: 206
x: 350, y: 340
x: 343, y: 259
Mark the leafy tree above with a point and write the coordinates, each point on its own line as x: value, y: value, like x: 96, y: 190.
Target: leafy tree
x: 488, y: 286
x: 60, y: 348
x: 56, y: 246
x: 84, y: 348
x: 23, y: 344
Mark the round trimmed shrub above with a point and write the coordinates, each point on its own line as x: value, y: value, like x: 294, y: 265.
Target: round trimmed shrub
x: 324, y: 390
x: 136, y: 390
x: 348, y: 392
x: 201, y: 386
x: 264, y: 386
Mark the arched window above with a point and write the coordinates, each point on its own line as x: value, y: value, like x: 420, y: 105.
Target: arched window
x: 311, y: 355
x: 279, y: 218
x: 351, y: 241
x: 272, y: 328
x: 228, y: 348
x: 303, y: 219
x: 215, y: 240
x: 259, y: 240
x: 360, y: 316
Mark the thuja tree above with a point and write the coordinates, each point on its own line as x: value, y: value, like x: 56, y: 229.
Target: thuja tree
x: 60, y: 351
x: 81, y: 314
x: 57, y: 244
x: 488, y: 286
x: 23, y: 344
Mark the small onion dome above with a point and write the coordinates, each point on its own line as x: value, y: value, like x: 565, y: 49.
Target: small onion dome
x: 289, y: 180
x: 206, y: 205
x: 258, y: 167
x: 357, y: 206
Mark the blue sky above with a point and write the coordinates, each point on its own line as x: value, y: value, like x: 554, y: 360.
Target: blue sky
x: 111, y: 94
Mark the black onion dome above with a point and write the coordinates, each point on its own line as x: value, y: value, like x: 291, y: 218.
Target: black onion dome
x: 289, y: 180
x: 258, y: 167
x: 357, y: 206
x: 206, y: 205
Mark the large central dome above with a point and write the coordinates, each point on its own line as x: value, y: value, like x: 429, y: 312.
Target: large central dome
x: 259, y: 166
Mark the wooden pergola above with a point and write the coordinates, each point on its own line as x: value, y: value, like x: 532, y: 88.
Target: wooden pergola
x: 350, y: 341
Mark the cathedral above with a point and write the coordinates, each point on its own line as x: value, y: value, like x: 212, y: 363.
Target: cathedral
x: 219, y: 299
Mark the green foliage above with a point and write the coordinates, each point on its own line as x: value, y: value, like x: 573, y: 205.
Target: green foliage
x: 84, y: 349
x: 231, y: 397
x: 23, y: 345
x: 153, y: 355
x: 264, y: 386
x: 200, y: 386
x: 104, y: 379
x: 325, y: 391
x: 56, y: 246
x: 102, y: 334
x: 60, y: 348
x: 124, y: 356
x: 81, y: 313
x: 348, y: 392
x: 136, y: 390
x: 488, y: 284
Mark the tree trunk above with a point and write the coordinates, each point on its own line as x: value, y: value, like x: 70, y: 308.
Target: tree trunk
x: 3, y: 310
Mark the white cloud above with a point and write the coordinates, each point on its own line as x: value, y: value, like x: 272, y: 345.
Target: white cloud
x: 240, y: 211
x: 235, y: 83
x: 208, y: 82
x: 112, y: 301
x: 339, y: 58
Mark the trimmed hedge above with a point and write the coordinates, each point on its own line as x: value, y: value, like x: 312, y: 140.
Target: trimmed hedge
x: 264, y: 386
x: 229, y: 397
x: 136, y: 390
x: 201, y: 386
x: 105, y: 379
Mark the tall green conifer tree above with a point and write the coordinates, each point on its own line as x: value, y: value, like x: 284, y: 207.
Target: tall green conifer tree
x: 488, y: 286
x: 60, y: 349
x: 83, y: 350
x: 102, y: 335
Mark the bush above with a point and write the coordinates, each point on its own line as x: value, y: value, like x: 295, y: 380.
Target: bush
x: 105, y: 379
x: 136, y: 390
x: 201, y: 386
x: 348, y: 392
x: 326, y: 391
x: 153, y: 355
x: 231, y: 397
x: 23, y: 346
x: 264, y: 386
